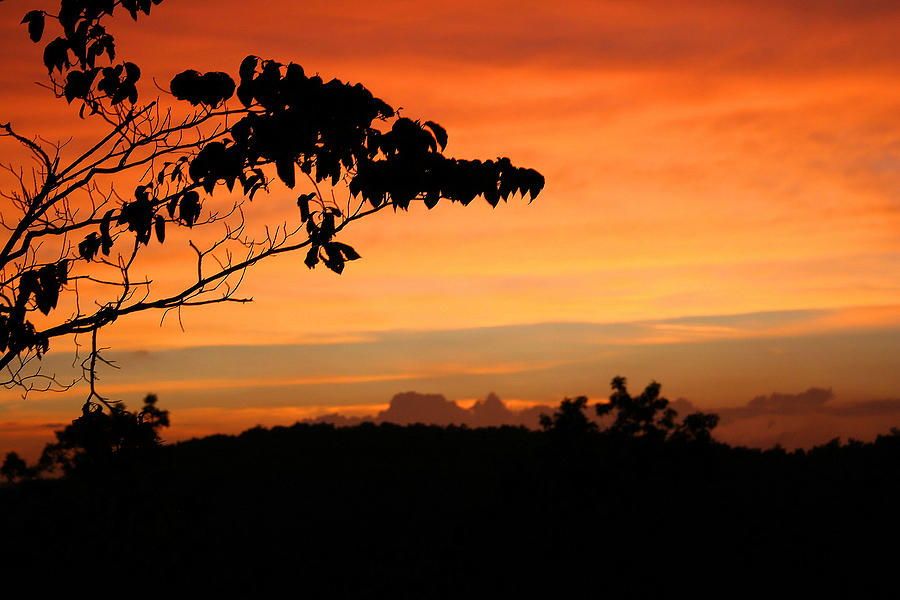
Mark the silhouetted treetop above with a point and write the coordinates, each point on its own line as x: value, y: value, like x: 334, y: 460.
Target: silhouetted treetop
x: 570, y: 419
x: 644, y: 415
x: 649, y: 416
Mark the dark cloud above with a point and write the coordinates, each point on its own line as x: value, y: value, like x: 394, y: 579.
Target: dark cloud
x: 434, y: 409
x: 811, y: 399
x: 870, y: 408
x: 805, y: 419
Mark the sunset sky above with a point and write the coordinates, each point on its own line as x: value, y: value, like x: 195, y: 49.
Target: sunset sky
x: 721, y: 212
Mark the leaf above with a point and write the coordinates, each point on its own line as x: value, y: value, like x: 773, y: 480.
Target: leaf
x: 62, y: 271
x: 49, y: 295
x: 248, y: 68
x: 215, y: 88
x: 159, y: 224
x: 284, y: 166
x: 131, y: 7
x: 312, y: 257
x: 69, y: 12
x: 303, y: 203
x: 326, y: 230
x: 185, y: 85
x: 35, y: 20
x: 346, y: 251
x: 78, y: 85
x: 105, y: 238
x: 535, y: 185
x: 132, y: 72
x: 189, y: 208
x: 56, y: 55
x: 333, y: 258
x: 245, y: 95
x: 171, y: 206
x: 28, y: 284
x: 440, y: 134
x: 89, y: 247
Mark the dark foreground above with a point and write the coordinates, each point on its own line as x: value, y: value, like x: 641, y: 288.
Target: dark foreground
x: 389, y: 511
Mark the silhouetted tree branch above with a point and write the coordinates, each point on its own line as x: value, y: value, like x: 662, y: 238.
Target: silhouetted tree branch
x: 69, y: 263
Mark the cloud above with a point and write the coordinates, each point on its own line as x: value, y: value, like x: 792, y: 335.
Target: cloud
x: 810, y: 400
x: 805, y: 419
x: 408, y: 408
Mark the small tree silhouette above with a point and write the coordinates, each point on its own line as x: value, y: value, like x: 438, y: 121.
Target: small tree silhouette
x: 646, y: 415
x: 649, y: 417
x: 696, y: 428
x: 98, y: 441
x: 570, y: 419
x: 14, y: 468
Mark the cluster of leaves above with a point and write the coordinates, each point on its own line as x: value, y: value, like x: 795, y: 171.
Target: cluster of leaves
x: 327, y: 131
x: 97, y: 442
x: 41, y: 285
x: 333, y: 137
x: 82, y: 42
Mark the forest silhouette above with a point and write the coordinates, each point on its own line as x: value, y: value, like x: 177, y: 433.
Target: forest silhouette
x: 649, y: 504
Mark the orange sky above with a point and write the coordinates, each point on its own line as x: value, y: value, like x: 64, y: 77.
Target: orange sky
x: 703, y: 160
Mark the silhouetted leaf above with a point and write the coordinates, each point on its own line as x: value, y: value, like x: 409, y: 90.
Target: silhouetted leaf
x: 132, y: 7
x: 56, y: 55
x: 312, y: 257
x: 160, y: 226
x: 248, y: 68
x: 432, y: 198
x: 89, y: 247
x: 440, y: 134
x: 184, y: 86
x: 35, y: 20
x: 172, y: 205
x: 303, y: 203
x: 346, y: 251
x: 189, y: 208
x: 284, y: 166
x: 334, y: 260
x: 78, y: 84
x: 49, y: 283
x: 105, y: 237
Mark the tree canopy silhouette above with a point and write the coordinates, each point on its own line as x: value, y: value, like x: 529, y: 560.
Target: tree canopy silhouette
x: 68, y: 260
x: 569, y: 420
x: 648, y: 416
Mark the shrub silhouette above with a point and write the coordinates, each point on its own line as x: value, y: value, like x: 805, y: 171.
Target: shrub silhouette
x: 570, y: 419
x: 646, y: 415
x: 99, y: 441
x: 649, y: 417
x: 14, y: 468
